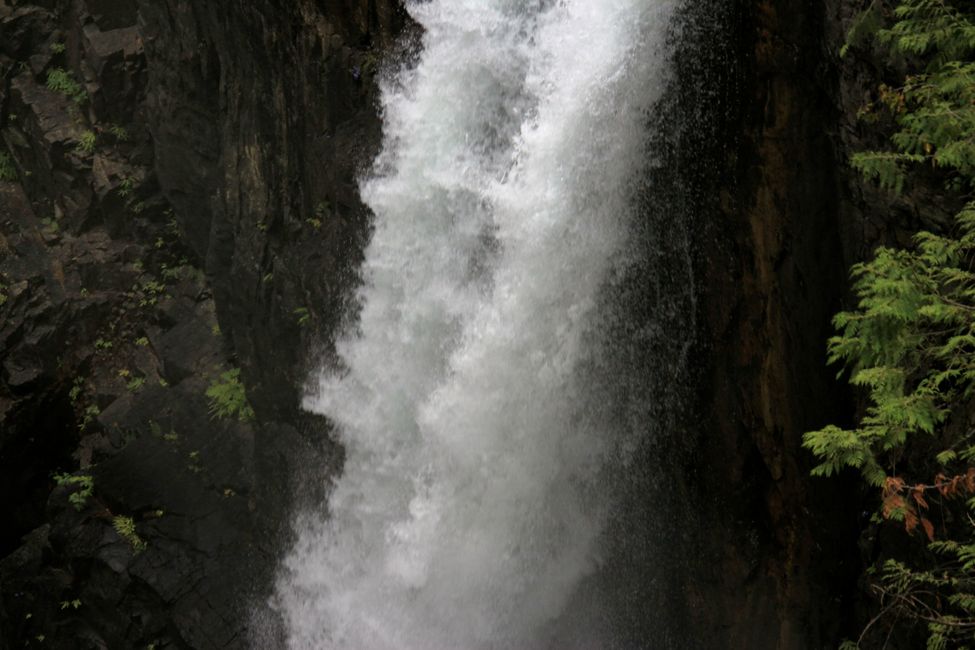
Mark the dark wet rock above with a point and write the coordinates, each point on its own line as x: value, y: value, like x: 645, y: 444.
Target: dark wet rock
x: 115, y: 58
x: 771, y: 269
x: 22, y: 28
x: 217, y: 200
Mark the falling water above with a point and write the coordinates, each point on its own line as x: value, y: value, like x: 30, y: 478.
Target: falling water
x: 480, y: 451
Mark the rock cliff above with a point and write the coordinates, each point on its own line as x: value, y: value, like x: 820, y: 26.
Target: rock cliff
x: 178, y: 190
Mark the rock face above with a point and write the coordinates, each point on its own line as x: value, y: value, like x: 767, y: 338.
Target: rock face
x: 179, y: 191
x: 791, y: 218
x: 775, y: 274
x: 180, y: 205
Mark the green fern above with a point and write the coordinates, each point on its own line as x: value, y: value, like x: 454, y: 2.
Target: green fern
x: 62, y: 82
x: 228, y: 398
x: 86, y: 143
x: 119, y: 133
x: 82, y: 485
x: 125, y: 527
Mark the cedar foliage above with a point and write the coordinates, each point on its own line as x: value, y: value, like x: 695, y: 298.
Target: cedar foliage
x: 910, y: 341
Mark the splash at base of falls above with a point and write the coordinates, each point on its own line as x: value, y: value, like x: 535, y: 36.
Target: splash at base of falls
x: 481, y: 431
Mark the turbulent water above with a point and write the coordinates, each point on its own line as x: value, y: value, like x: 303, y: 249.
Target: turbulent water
x: 480, y: 454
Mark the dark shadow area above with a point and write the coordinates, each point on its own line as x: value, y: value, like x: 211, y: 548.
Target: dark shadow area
x: 38, y: 444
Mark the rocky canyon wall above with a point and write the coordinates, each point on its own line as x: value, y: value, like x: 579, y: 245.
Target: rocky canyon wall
x: 184, y: 207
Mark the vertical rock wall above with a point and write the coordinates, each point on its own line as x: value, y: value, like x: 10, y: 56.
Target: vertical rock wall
x: 183, y: 207
x: 778, y: 548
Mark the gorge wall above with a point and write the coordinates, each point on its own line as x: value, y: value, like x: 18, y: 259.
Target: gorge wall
x: 215, y: 212
x: 214, y: 224
x: 781, y: 547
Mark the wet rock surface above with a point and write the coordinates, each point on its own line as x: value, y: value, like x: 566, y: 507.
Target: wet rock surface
x: 181, y: 190
x: 777, y: 276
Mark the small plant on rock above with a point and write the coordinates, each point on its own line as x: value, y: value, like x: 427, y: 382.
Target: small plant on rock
x: 169, y: 273
x: 86, y: 143
x: 125, y: 527
x: 228, y: 398
x: 119, y: 133
x: 7, y: 170
x: 125, y: 187
x: 91, y: 413
x: 51, y: 224
x: 194, y: 464
x: 61, y: 81
x: 76, y: 388
x: 152, y: 291
x: 84, y: 487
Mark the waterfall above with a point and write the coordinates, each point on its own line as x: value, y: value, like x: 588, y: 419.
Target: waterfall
x: 480, y: 436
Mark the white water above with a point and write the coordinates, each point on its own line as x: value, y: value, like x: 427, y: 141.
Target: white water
x: 477, y: 478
